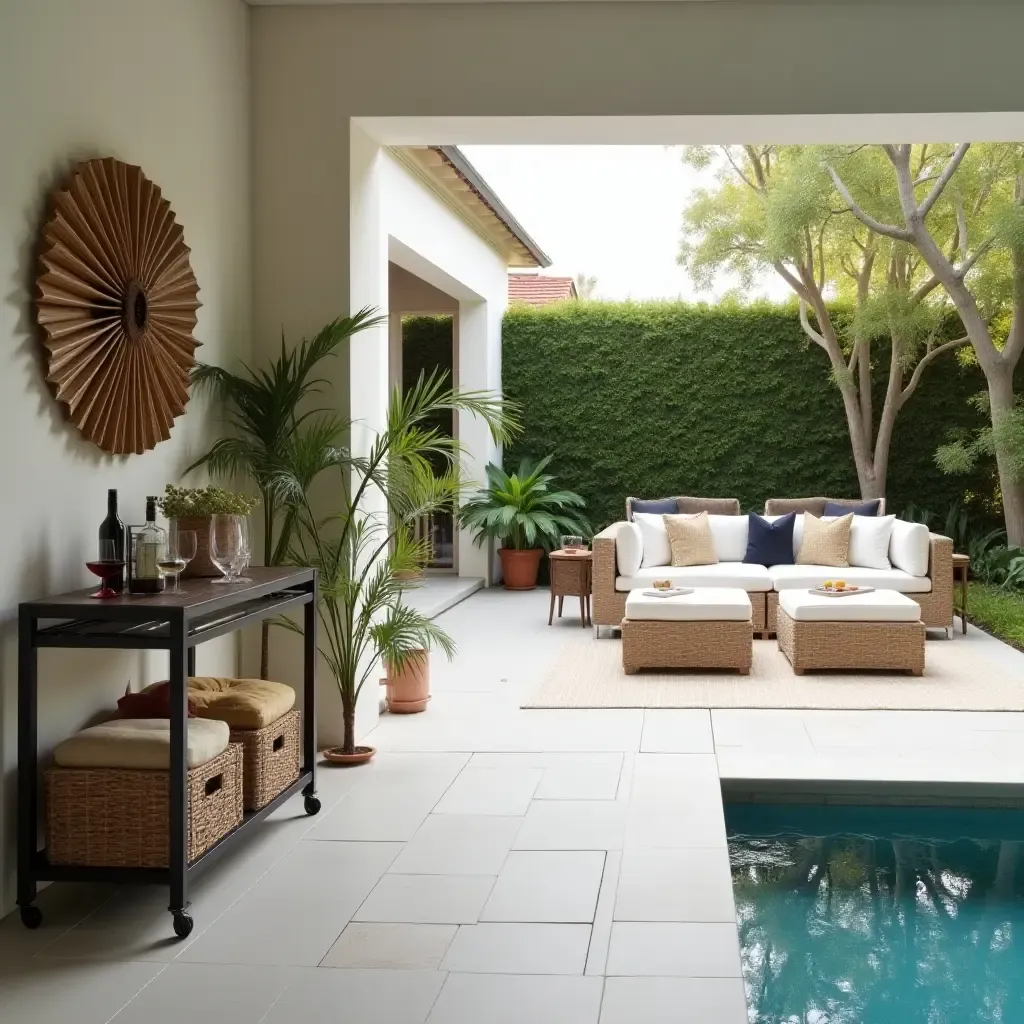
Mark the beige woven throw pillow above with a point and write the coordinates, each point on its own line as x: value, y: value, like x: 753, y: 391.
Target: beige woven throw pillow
x: 690, y: 539
x: 825, y: 543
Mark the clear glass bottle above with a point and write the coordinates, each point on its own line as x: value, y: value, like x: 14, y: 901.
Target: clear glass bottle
x: 149, y: 549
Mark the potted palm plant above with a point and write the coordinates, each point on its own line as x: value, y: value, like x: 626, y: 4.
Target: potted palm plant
x: 364, y: 549
x: 523, y: 513
x: 268, y: 430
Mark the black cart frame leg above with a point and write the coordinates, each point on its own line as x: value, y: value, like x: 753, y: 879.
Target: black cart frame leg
x: 309, y: 655
x: 178, y: 824
x: 28, y: 781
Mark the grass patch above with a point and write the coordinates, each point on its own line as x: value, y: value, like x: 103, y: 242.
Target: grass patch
x: 997, y: 611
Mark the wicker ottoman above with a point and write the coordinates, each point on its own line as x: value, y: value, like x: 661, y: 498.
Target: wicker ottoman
x: 710, y: 628
x: 879, y: 630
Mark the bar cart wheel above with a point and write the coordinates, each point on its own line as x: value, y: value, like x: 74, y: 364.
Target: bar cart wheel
x: 312, y: 804
x: 182, y: 924
x: 31, y: 917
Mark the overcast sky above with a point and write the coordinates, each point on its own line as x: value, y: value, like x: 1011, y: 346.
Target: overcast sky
x: 612, y: 211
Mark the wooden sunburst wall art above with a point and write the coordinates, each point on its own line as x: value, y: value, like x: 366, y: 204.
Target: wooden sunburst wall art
x: 116, y: 301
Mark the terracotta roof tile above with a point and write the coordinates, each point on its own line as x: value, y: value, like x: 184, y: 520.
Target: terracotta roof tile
x: 539, y: 290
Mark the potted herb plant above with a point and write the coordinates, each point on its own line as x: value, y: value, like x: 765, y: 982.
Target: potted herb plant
x: 192, y: 507
x: 527, y: 517
x: 363, y: 547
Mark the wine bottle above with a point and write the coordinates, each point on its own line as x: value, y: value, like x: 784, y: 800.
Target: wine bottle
x: 149, y: 549
x: 113, y: 529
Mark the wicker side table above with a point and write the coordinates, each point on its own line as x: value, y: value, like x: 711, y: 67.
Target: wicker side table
x: 571, y: 577
x: 961, y: 570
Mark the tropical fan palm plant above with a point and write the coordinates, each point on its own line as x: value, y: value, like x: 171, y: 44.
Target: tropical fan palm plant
x: 271, y: 428
x: 362, y: 554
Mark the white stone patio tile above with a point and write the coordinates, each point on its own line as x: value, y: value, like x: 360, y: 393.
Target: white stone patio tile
x: 699, y: 825
x: 674, y: 950
x: 677, y: 730
x: 733, y: 727
x: 601, y: 931
x: 572, y: 825
x: 297, y: 910
x: 674, y: 1001
x: 427, y: 899
x: 490, y: 791
x: 519, y: 949
x: 559, y: 887
x: 588, y: 780
x: 357, y: 997
x: 207, y: 994
x: 514, y: 999
x: 407, y: 947
x: 458, y: 844
x: 675, y: 885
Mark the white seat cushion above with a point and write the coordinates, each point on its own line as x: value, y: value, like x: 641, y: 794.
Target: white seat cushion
x: 877, y: 606
x: 722, y: 574
x: 141, y: 743
x: 709, y: 604
x: 800, y: 577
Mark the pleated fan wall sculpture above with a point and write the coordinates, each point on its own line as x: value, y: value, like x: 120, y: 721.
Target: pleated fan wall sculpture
x: 116, y: 301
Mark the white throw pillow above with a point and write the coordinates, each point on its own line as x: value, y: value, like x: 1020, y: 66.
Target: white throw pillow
x: 657, y: 550
x: 729, y: 534
x: 909, y: 547
x: 629, y: 549
x: 869, y: 541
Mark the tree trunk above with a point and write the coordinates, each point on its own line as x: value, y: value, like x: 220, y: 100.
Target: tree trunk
x: 860, y: 445
x: 348, y: 717
x: 264, y: 649
x: 1000, y: 393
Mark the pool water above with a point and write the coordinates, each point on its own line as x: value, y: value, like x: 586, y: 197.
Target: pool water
x: 889, y: 915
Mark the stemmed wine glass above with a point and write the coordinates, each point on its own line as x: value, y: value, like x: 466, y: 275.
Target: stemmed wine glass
x: 181, y: 549
x: 107, y: 565
x: 229, y: 546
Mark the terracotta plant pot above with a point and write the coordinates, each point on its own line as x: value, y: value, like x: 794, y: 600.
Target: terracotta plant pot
x: 408, y: 688
x: 519, y: 568
x: 200, y: 566
x: 335, y: 755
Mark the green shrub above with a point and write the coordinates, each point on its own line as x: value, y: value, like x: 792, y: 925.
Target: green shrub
x: 654, y: 399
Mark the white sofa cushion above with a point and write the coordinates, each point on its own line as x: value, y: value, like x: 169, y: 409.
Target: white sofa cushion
x: 802, y: 577
x: 878, y: 606
x: 869, y: 541
x: 729, y: 534
x: 713, y: 604
x: 629, y: 549
x: 909, y: 547
x: 657, y: 550
x: 722, y: 574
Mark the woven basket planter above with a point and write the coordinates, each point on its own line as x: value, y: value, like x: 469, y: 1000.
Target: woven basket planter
x: 271, y: 758
x: 201, y: 565
x: 118, y: 817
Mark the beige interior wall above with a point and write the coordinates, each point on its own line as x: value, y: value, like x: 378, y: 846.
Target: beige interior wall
x: 408, y: 293
x: 160, y: 83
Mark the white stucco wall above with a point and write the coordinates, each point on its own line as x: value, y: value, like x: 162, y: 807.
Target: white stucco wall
x: 164, y: 85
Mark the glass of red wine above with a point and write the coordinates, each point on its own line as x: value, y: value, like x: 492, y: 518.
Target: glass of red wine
x: 106, y: 566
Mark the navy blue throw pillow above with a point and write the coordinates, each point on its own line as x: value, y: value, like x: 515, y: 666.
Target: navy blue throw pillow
x: 656, y: 506
x: 768, y: 543
x: 865, y: 508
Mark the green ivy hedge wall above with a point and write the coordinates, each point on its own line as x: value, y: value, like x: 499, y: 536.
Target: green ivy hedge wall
x: 653, y: 399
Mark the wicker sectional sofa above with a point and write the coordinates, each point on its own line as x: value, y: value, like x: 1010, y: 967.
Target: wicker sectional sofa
x: 933, y: 591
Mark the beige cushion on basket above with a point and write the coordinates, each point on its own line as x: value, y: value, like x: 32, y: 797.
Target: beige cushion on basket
x: 825, y: 542
x: 690, y: 540
x: 242, y: 703
x: 143, y: 743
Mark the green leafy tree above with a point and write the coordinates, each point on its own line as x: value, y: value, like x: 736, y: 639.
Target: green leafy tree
x: 776, y: 207
x: 979, y: 190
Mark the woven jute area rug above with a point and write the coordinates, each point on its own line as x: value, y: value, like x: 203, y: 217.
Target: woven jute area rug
x: 587, y: 673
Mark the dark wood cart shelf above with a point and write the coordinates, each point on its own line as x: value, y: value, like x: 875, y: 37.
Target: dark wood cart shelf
x: 175, y: 623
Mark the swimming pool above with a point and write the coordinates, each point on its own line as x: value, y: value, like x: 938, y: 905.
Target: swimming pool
x: 879, y: 915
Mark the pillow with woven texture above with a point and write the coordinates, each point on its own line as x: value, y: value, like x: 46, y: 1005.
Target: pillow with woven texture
x: 825, y: 543
x: 690, y: 540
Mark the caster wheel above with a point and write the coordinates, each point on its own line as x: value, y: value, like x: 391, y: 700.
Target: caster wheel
x: 31, y: 917
x: 312, y: 804
x: 183, y: 924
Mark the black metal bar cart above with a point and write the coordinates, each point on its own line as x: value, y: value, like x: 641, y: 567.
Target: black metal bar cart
x: 176, y: 623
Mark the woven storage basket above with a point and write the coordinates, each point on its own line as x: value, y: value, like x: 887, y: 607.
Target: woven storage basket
x: 270, y: 758
x: 118, y: 817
